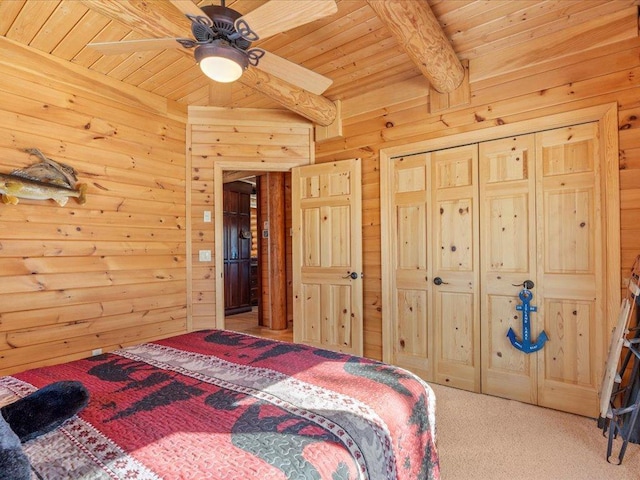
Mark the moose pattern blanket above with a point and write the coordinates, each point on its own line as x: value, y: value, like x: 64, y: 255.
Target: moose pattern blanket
x: 221, y: 405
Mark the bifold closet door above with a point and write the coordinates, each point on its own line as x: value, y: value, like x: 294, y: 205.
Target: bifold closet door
x: 455, y: 255
x: 571, y: 267
x: 541, y: 207
x: 508, y: 259
x: 410, y: 227
x: 433, y: 245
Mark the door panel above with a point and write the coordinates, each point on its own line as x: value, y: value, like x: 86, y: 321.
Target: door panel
x: 327, y: 250
x: 311, y: 313
x: 571, y: 268
x: 507, y: 233
x: 412, y: 332
x: 455, y: 312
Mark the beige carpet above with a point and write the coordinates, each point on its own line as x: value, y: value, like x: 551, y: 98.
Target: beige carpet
x: 488, y: 438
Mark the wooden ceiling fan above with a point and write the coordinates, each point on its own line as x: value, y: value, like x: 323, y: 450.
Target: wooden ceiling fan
x: 222, y: 39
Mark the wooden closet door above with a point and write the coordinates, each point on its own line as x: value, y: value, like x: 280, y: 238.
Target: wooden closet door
x: 433, y: 251
x: 508, y: 258
x: 455, y: 310
x: 409, y: 227
x: 541, y: 221
x: 571, y: 268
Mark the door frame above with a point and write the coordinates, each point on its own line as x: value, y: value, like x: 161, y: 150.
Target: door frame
x: 607, y: 117
x: 219, y: 167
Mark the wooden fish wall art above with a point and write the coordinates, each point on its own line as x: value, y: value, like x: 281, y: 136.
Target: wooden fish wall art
x: 44, y: 180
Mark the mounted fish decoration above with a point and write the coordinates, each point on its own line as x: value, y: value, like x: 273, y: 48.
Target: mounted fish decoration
x: 45, y: 180
x: 48, y: 171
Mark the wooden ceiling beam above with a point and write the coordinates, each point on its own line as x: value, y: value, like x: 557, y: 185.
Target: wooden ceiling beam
x: 316, y: 108
x: 160, y: 19
x: 417, y: 31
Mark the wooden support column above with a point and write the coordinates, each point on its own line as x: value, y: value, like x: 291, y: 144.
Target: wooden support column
x: 276, y: 250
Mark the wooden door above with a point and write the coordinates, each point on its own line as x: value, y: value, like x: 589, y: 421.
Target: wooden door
x: 571, y: 268
x: 434, y: 266
x: 508, y: 259
x: 454, y: 252
x: 541, y: 221
x: 408, y: 257
x: 327, y: 255
x: 237, y: 247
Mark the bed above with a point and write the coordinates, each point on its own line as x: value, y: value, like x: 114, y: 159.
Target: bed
x: 216, y: 404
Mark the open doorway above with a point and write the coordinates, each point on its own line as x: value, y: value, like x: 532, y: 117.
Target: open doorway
x: 255, y: 298
x: 241, y: 255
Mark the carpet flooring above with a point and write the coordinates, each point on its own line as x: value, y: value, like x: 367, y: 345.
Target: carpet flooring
x: 489, y: 438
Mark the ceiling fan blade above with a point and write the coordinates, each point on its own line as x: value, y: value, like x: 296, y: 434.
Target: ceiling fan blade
x: 293, y: 73
x: 132, y: 46
x: 188, y: 7
x: 281, y: 15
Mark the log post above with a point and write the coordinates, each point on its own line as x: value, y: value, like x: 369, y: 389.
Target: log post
x: 277, y: 251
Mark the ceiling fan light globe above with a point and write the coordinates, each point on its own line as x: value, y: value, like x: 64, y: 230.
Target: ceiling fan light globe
x: 221, y: 63
x: 221, y: 69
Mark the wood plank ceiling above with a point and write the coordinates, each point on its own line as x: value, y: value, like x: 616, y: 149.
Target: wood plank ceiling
x: 354, y: 48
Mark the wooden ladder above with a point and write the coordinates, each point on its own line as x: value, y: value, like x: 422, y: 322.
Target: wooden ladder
x: 620, y: 392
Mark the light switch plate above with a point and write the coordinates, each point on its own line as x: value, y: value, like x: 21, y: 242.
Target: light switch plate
x: 207, y: 216
x: 204, y: 255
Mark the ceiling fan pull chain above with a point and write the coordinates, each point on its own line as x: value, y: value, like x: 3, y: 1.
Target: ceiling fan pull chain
x: 244, y: 29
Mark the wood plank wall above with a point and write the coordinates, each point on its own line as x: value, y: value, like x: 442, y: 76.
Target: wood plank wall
x: 114, y: 271
x: 242, y: 142
x: 108, y: 273
x: 399, y: 114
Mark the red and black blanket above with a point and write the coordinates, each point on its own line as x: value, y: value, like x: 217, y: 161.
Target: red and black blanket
x: 222, y: 405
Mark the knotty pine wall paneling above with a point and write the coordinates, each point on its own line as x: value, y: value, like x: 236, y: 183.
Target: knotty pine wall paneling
x: 399, y: 115
x: 240, y: 142
x: 111, y: 272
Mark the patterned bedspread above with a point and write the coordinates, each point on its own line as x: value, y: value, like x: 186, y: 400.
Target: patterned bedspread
x: 221, y: 405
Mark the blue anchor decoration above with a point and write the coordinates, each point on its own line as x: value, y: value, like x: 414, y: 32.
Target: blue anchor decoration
x: 525, y: 344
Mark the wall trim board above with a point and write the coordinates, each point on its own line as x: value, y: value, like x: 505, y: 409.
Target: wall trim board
x: 251, y: 116
x: 550, y: 122
x: 606, y: 115
x: 188, y: 228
